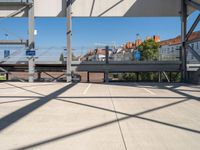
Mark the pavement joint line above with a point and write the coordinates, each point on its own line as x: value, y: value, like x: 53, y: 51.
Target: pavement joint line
x: 122, y: 135
x: 86, y: 90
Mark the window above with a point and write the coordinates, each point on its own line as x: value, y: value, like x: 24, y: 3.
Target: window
x: 192, y: 45
x: 172, y: 49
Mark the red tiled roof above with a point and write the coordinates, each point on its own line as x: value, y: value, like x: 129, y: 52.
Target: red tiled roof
x: 177, y: 40
x: 100, y: 52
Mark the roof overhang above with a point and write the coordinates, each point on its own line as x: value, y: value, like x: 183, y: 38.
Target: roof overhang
x: 98, y: 8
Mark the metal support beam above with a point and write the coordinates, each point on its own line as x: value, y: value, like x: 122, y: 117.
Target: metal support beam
x: 69, y: 36
x: 107, y: 54
x: 31, y: 43
x: 17, y: 12
x: 194, y: 53
x: 159, y: 77
x: 106, y: 76
x: 193, y: 4
x: 15, y: 2
x: 13, y: 42
x: 166, y: 76
x: 192, y: 28
x: 88, y: 77
x: 183, y: 35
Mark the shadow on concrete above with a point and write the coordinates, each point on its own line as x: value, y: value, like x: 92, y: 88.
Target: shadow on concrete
x: 22, y: 112
x: 127, y: 116
x: 38, y: 85
x: 25, y: 89
x: 116, y: 4
x: 17, y: 101
x: 173, y: 88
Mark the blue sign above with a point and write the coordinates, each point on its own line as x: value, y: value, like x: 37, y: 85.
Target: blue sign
x: 6, y: 53
x: 30, y: 53
x: 137, y: 55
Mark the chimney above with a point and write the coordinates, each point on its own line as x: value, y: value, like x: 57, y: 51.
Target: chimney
x: 156, y: 38
x: 138, y: 42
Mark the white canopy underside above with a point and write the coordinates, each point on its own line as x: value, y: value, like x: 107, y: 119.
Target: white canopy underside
x: 101, y: 8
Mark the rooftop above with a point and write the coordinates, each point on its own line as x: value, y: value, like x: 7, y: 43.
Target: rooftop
x: 177, y: 40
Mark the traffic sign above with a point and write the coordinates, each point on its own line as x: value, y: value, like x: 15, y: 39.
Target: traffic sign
x: 30, y: 53
x: 137, y: 55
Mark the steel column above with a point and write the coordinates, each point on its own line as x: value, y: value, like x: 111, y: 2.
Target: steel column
x: 88, y: 77
x: 192, y: 4
x: 194, y: 53
x: 193, y: 27
x: 31, y: 42
x: 69, y: 35
x: 183, y: 35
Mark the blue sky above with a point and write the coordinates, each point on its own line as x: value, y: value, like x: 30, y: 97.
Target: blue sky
x: 87, y: 32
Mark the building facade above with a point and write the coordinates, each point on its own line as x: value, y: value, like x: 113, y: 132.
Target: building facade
x: 171, y: 49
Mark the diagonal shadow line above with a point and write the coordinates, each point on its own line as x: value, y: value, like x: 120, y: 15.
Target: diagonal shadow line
x: 98, y: 97
x: 17, y: 101
x: 91, y: 11
x: 183, y: 94
x: 25, y: 89
x: 110, y: 8
x: 174, y: 90
x: 21, y: 97
x: 120, y: 97
x: 26, y: 86
x: 122, y: 113
x: 138, y: 114
x: 24, y: 111
x: 128, y: 116
x: 190, y: 90
x: 168, y: 124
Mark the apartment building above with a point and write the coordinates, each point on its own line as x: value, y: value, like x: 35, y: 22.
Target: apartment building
x: 171, y: 49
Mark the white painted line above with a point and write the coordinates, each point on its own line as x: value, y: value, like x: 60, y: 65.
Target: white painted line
x: 152, y: 93
x: 86, y: 90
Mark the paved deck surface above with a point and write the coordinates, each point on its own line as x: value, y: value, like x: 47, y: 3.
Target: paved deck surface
x: 60, y: 116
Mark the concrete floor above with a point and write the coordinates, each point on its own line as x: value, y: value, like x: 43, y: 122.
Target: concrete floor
x: 83, y: 116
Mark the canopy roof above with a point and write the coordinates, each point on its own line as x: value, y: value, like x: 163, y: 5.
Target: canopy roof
x: 98, y: 8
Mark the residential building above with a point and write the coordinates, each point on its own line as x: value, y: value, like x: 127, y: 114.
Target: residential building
x: 171, y: 49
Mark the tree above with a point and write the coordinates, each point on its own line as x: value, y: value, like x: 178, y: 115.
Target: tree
x: 62, y: 58
x: 149, y: 50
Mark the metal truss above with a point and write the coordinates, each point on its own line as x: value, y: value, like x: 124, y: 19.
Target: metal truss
x: 26, y: 6
x: 186, y: 34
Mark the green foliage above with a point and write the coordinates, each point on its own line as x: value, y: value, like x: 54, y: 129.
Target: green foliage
x: 149, y: 76
x: 149, y: 50
x: 62, y: 58
x: 2, y: 78
x: 129, y: 77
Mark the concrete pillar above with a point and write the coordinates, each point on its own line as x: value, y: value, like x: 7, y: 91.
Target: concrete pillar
x: 7, y: 76
x: 39, y: 76
x: 106, y: 77
x: 88, y: 77
x: 159, y: 77
x: 31, y: 43
x: 183, y: 36
x: 69, y: 35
